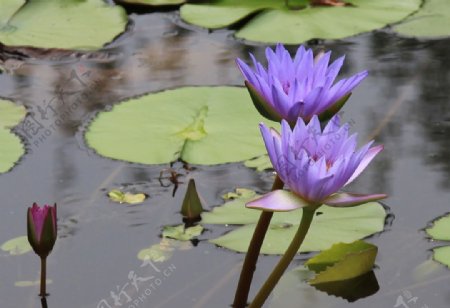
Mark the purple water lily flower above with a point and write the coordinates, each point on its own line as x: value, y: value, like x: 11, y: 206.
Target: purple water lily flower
x: 315, y: 165
x: 299, y: 86
x: 42, y: 228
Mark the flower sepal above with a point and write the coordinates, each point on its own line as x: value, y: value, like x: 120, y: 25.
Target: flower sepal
x: 350, y: 199
x: 334, y: 109
x: 261, y: 104
x: 279, y: 201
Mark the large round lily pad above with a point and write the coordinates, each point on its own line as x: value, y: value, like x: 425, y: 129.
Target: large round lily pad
x: 273, y: 22
x: 330, y: 225
x: 70, y: 24
x: 431, y: 21
x: 12, y: 149
x: 200, y: 125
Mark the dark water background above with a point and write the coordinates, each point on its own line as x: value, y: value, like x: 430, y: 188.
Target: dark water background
x: 404, y: 103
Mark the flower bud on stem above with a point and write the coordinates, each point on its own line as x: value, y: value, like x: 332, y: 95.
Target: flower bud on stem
x: 43, y: 292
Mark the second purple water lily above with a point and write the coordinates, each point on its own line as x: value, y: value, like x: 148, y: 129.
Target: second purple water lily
x: 315, y: 165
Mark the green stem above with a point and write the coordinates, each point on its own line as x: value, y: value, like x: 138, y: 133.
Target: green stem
x: 249, y: 266
x: 43, y: 276
x: 266, y: 289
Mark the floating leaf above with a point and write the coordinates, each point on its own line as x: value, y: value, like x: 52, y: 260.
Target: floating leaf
x: 431, y: 21
x: 192, y: 206
x: 17, y: 246
x: 239, y: 193
x: 330, y: 225
x: 200, y: 125
x: 273, y: 22
x: 12, y: 148
x: 153, y: 2
x: 342, y: 262
x: 28, y: 283
x: 442, y: 255
x: 260, y: 163
x: 293, y: 288
x: 70, y: 24
x: 182, y: 234
x: 440, y: 229
x: 118, y: 196
x: 163, y: 251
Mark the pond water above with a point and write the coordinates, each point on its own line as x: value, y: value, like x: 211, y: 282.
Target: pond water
x: 404, y: 103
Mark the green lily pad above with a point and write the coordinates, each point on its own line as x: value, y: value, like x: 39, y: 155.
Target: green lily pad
x: 69, y: 24
x: 162, y: 251
x: 440, y: 229
x: 330, y: 226
x: 342, y: 262
x: 239, y: 193
x: 12, y: 148
x: 294, y: 288
x: 127, y: 197
x: 153, y: 2
x: 442, y: 255
x: 271, y: 18
x: 431, y: 21
x: 200, y: 125
x: 17, y: 246
x: 182, y: 234
x: 260, y: 163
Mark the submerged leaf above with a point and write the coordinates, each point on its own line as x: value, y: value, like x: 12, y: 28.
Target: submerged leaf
x: 163, y: 251
x: 120, y: 197
x: 330, y: 226
x: 17, y: 246
x: 182, y: 234
x: 199, y: 125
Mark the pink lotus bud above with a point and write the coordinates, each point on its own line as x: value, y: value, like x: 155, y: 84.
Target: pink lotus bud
x: 42, y: 228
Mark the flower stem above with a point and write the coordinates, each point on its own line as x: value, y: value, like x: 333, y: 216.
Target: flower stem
x: 249, y: 266
x: 43, y: 276
x: 266, y: 289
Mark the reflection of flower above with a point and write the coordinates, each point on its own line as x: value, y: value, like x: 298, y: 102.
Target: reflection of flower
x: 42, y: 230
x: 315, y: 164
x: 298, y: 87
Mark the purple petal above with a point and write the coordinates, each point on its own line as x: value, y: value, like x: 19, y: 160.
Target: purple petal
x: 269, y: 136
x: 349, y: 199
x: 247, y: 72
x: 371, y: 153
x: 278, y: 201
x: 334, y: 68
